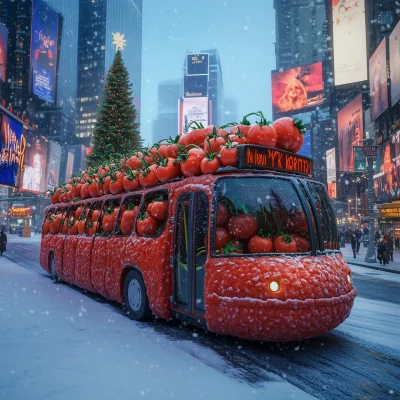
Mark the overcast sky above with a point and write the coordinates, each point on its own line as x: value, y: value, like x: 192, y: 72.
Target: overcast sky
x: 243, y: 33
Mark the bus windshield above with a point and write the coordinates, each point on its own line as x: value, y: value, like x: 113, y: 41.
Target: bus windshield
x: 259, y: 215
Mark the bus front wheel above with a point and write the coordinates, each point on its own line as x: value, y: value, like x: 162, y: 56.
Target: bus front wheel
x: 135, y: 297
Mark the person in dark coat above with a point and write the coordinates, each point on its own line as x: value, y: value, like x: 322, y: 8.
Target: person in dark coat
x: 389, y: 246
x: 3, y: 242
x: 382, y: 252
x: 358, y: 238
x: 353, y: 241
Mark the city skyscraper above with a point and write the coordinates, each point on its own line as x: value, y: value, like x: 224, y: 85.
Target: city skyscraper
x: 98, y: 20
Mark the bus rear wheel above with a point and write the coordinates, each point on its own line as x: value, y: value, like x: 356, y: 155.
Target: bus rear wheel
x: 135, y: 297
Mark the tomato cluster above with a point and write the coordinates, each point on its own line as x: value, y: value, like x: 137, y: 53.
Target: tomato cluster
x: 202, y: 151
x: 239, y: 233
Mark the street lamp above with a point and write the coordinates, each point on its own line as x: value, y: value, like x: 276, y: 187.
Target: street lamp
x: 348, y: 207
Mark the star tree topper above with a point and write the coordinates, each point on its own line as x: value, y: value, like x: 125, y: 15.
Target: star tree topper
x: 119, y: 41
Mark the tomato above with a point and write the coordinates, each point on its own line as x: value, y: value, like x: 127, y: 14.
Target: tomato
x: 172, y: 151
x: 262, y: 135
x: 148, y: 176
x: 158, y: 210
x: 243, y: 129
x: 149, y: 207
x: 55, y: 224
x: 214, y: 144
x: 229, y: 155
x: 116, y: 184
x: 242, y: 226
x: 72, y: 227
x: 297, y: 222
x: 222, y: 238
x: 93, y: 189
x: 76, y: 191
x: 290, y: 135
x: 168, y: 169
x: 210, y: 165
x: 55, y: 198
x: 68, y: 195
x: 106, y: 184
x: 46, y: 226
x: 78, y: 212
x: 122, y: 165
x: 108, y: 222
x: 91, y: 227
x: 64, y: 229
x: 100, y: 187
x: 216, y: 131
x: 222, y: 214
x: 285, y: 244
x: 259, y: 244
x: 302, y: 243
x: 162, y: 150
x: 234, y: 247
x: 147, y: 225
x: 127, y: 221
x: 130, y: 181
x: 101, y: 171
x: 85, y: 191
x: 191, y: 166
x: 95, y: 215
x: 81, y: 226
x: 134, y: 163
x: 239, y: 138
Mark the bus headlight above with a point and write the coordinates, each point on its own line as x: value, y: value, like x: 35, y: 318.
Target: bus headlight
x: 274, y: 286
x: 349, y: 278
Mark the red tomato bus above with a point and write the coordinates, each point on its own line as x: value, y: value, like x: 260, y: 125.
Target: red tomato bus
x: 250, y: 252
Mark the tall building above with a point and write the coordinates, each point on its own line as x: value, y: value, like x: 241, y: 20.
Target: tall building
x: 230, y: 111
x: 166, y: 124
x: 98, y: 20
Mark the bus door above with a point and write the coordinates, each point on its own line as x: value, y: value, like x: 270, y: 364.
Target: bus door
x: 190, y: 253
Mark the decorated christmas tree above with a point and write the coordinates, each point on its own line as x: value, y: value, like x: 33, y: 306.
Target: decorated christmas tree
x: 115, y: 133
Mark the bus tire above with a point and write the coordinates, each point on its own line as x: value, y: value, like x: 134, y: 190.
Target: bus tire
x: 135, y: 297
x: 52, y: 268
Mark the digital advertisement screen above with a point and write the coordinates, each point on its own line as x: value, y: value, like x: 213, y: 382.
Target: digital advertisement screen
x: 34, y: 172
x: 196, y: 86
x: 3, y: 51
x: 197, y: 64
x: 378, y: 87
x: 297, y: 89
x: 331, y: 172
x: 12, y: 151
x: 394, y: 54
x: 387, y: 182
x: 350, y: 133
x: 194, y: 109
x: 349, y: 41
x: 53, y: 167
x: 44, y: 51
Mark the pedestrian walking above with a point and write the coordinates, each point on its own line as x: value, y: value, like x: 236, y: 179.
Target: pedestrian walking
x: 3, y: 242
x: 377, y: 237
x: 389, y: 245
x: 359, y: 238
x: 382, y: 252
x: 353, y: 241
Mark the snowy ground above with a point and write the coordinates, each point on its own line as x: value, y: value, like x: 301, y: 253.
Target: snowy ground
x: 57, y: 343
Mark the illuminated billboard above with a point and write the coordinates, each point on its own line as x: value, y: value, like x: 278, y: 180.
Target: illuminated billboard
x: 394, y: 53
x: 331, y: 172
x: 53, y: 167
x: 3, y: 51
x: 297, y: 89
x: 196, y: 86
x: 378, y: 87
x: 34, y: 171
x: 349, y: 41
x: 194, y: 109
x: 350, y: 133
x: 12, y: 151
x: 197, y: 64
x: 44, y: 44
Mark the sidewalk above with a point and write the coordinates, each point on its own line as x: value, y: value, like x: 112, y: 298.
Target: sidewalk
x: 393, y: 266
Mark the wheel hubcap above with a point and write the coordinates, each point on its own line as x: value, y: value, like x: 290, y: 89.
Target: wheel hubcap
x: 134, y: 295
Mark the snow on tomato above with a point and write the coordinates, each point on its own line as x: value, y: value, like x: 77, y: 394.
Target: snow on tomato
x: 290, y: 134
x: 285, y: 244
x: 210, y: 164
x: 242, y: 226
x: 167, y: 169
x: 229, y: 154
x: 222, y: 238
x: 147, y: 225
x: 190, y: 162
x: 127, y: 221
x: 158, y: 210
x: 260, y: 244
x: 116, y: 184
x: 148, y: 176
x: 130, y: 180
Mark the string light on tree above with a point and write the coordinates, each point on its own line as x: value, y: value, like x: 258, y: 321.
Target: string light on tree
x: 119, y: 41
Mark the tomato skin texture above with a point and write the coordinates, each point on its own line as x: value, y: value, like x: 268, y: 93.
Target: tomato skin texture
x: 242, y: 226
x: 55, y: 225
x: 116, y: 186
x: 262, y: 135
x: 134, y: 163
x: 64, y: 229
x: 78, y: 212
x: 258, y: 244
x: 131, y: 184
x: 222, y: 214
x: 214, y: 145
x: 93, y: 229
x: 55, y: 198
x: 127, y: 221
x: 93, y: 189
x: 229, y: 156
x: 196, y: 136
x: 289, y: 136
x: 209, y: 166
x: 191, y: 166
x: 244, y: 129
x: 172, y: 151
x: 95, y: 215
x: 158, y: 210
x: 149, y: 178
x: 76, y: 190
x: 81, y: 227
x: 106, y: 185
x: 170, y: 171
x: 147, y: 226
x: 302, y: 244
x: 74, y: 229
x: 108, y: 222
x: 222, y: 238
x: 281, y: 246
x: 238, y: 139
x: 85, y: 191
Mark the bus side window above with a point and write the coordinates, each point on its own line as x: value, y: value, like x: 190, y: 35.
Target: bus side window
x: 153, y: 215
x: 127, y: 215
x: 93, y: 218
x: 109, y: 216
